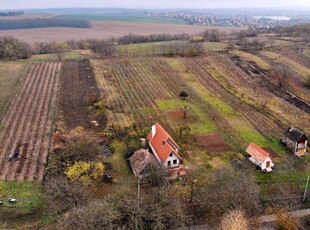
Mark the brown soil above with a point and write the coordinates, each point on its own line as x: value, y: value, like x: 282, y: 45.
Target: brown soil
x: 29, y: 120
x: 213, y: 142
x: 175, y: 115
x: 78, y: 92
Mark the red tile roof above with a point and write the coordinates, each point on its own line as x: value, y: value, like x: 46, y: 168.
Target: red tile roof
x: 257, y: 152
x: 162, y: 143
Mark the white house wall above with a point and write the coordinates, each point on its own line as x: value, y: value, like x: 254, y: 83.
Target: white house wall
x: 263, y: 166
x: 171, y: 159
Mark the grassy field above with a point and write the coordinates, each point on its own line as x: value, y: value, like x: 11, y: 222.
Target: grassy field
x: 155, y: 47
x: 126, y: 17
x: 300, y: 69
x: 28, y: 202
x: 10, y: 77
x: 53, y: 57
x: 253, y: 58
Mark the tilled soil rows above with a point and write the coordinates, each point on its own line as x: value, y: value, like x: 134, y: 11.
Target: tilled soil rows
x: 28, y: 124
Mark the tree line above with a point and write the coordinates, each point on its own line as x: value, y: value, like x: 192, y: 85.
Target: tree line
x: 42, y: 22
x: 11, y: 13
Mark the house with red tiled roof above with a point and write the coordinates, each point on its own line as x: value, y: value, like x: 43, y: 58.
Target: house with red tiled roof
x: 165, y: 150
x: 260, y: 157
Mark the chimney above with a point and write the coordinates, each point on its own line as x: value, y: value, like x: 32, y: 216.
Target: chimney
x: 143, y: 142
x: 153, y: 130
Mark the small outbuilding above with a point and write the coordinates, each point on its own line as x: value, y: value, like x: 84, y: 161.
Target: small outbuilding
x: 260, y: 157
x: 295, y: 140
x: 141, y: 162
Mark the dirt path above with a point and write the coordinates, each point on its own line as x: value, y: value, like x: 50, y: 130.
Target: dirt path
x: 272, y: 218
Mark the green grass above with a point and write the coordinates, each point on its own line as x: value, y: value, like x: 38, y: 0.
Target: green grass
x: 125, y: 17
x: 27, y: 194
x: 215, y: 46
x: 53, y: 57
x: 119, y: 161
x: 196, y: 119
x: 237, y: 121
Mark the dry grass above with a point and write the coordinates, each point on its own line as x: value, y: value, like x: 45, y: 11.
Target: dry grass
x: 10, y: 73
x: 300, y: 69
x: 253, y: 58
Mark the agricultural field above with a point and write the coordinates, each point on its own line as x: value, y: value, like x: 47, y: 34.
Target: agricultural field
x: 11, y: 75
x: 104, y: 30
x: 28, y: 124
x: 225, y: 103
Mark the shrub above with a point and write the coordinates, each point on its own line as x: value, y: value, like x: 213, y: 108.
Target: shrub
x: 234, y: 220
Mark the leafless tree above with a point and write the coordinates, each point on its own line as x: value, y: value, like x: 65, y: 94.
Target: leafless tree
x: 62, y: 194
x: 185, y: 110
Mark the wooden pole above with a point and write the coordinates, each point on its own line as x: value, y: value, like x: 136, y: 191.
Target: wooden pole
x: 139, y: 193
x: 304, y: 199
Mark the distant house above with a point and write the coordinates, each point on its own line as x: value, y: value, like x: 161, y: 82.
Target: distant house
x: 259, y: 157
x: 295, y: 140
x: 141, y: 162
x: 165, y: 150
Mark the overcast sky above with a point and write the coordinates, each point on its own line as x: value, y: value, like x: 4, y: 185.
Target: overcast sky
x: 40, y: 4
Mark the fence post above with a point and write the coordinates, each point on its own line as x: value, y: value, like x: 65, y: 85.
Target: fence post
x: 304, y: 199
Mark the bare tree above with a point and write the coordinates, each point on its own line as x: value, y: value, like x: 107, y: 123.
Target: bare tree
x: 186, y: 109
x: 62, y: 195
x: 281, y: 74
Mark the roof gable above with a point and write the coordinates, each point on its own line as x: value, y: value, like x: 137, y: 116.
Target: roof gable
x: 258, y: 153
x: 162, y: 143
x: 294, y: 134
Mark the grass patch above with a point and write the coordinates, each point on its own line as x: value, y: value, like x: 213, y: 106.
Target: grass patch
x: 119, y: 161
x: 300, y: 69
x: 53, y: 57
x: 124, y: 16
x: 196, y: 120
x: 27, y: 194
x: 253, y: 58
x: 215, y: 46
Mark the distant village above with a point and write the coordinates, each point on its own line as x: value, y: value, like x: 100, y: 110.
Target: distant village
x: 230, y: 20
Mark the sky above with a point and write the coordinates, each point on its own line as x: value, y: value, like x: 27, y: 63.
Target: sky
x: 145, y: 4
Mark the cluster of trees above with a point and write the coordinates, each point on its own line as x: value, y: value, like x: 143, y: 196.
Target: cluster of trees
x: 11, y: 13
x: 42, y: 22
x: 132, y: 39
x: 12, y: 49
x: 184, y: 48
x: 292, y: 31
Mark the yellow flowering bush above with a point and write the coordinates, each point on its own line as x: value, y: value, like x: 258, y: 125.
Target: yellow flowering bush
x: 85, y: 171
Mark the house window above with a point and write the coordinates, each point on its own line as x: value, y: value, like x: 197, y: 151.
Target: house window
x: 170, y: 155
x: 175, y: 162
x: 169, y: 163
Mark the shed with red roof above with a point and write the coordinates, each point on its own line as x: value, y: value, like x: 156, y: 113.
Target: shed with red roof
x: 260, y: 157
